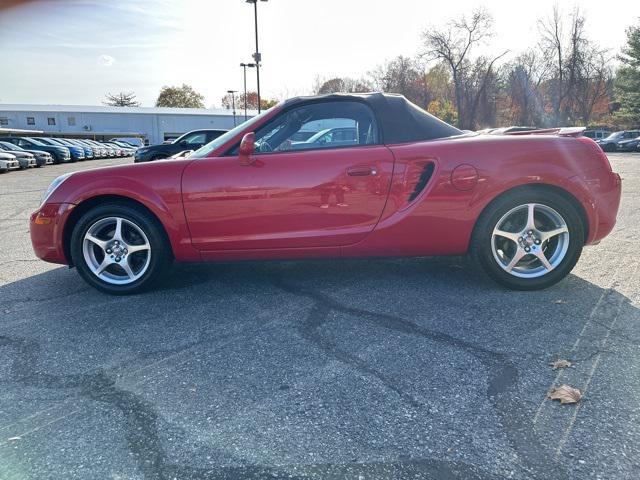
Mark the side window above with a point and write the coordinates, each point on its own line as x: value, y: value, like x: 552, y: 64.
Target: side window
x: 196, y: 139
x: 23, y: 143
x: 212, y: 136
x: 335, y: 124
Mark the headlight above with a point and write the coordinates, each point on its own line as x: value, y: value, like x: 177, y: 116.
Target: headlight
x: 55, y: 184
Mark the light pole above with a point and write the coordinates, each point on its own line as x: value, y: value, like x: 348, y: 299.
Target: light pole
x: 244, y: 67
x: 233, y: 104
x: 256, y: 56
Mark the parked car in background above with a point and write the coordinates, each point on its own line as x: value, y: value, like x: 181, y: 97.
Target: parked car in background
x: 129, y: 148
x: 120, y: 152
x: 628, y: 145
x: 597, y: 134
x: 67, y: 142
x: 42, y: 158
x: 8, y: 162
x: 111, y: 152
x: 26, y: 160
x: 334, y: 137
x: 95, y: 151
x: 133, y: 141
x: 59, y: 153
x: 610, y: 143
x: 103, y: 151
x: 189, y: 141
x: 77, y: 153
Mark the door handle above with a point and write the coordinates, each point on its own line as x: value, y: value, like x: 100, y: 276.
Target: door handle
x: 361, y: 171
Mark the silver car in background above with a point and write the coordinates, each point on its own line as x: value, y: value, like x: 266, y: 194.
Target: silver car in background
x: 8, y: 162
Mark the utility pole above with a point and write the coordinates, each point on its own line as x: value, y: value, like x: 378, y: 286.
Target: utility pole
x: 233, y: 104
x: 257, y: 57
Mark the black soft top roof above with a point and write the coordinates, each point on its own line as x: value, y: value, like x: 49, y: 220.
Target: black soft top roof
x: 400, y: 121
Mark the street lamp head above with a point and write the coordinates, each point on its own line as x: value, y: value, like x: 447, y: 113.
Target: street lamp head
x: 232, y: 91
x: 254, y: 1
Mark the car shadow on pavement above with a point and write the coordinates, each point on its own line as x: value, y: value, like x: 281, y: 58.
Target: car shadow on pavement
x: 389, y: 368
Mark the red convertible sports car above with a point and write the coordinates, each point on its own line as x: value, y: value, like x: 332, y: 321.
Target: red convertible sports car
x: 399, y: 182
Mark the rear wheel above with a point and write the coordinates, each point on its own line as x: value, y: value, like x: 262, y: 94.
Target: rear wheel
x: 119, y: 249
x: 529, y: 240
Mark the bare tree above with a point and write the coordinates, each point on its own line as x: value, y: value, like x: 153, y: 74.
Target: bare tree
x: 402, y: 75
x: 594, y: 85
x: 122, y: 99
x: 578, y: 75
x: 523, y: 78
x: 453, y: 45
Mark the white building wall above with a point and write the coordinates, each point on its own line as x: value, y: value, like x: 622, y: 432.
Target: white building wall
x: 152, y: 124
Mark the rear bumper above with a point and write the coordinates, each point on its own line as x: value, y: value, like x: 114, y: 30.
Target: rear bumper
x: 46, y: 227
x: 601, y: 203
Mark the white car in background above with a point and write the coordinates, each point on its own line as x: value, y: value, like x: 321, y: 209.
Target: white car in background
x: 25, y: 160
x: 8, y: 162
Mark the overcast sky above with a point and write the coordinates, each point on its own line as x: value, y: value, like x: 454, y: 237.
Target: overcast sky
x: 74, y: 52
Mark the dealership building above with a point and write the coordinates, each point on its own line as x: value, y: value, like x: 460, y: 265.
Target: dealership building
x: 154, y: 125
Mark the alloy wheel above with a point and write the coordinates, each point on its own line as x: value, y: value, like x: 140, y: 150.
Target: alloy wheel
x: 530, y: 240
x: 116, y: 250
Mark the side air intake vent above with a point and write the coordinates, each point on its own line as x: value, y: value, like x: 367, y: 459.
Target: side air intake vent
x: 418, y: 176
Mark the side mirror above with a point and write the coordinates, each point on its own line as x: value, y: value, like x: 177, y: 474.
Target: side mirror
x: 247, y: 149
x: 183, y: 143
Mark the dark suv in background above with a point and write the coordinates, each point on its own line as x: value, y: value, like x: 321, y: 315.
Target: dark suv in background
x: 189, y: 141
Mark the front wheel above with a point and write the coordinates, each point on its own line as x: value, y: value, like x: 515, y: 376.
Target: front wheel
x: 529, y: 240
x: 119, y: 249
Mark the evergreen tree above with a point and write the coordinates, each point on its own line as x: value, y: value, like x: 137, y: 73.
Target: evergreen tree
x: 627, y: 85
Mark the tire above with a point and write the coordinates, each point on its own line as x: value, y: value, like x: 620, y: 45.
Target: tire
x: 510, y: 214
x: 140, y: 231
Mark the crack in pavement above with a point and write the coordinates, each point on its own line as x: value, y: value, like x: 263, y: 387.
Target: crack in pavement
x: 503, y: 375
x: 142, y: 434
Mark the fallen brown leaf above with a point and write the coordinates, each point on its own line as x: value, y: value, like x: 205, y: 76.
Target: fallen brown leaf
x: 565, y: 394
x: 560, y: 364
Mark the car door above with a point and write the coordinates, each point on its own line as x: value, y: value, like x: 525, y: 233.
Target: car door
x: 320, y: 196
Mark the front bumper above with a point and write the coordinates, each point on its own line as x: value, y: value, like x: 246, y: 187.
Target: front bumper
x: 42, y: 160
x: 627, y: 148
x: 46, y: 227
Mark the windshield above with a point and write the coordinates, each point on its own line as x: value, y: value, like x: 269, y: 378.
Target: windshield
x: 9, y: 146
x: 36, y: 142
x: 222, y: 139
x: 614, y: 135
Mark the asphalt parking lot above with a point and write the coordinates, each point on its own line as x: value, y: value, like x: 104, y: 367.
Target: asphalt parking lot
x: 376, y: 369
